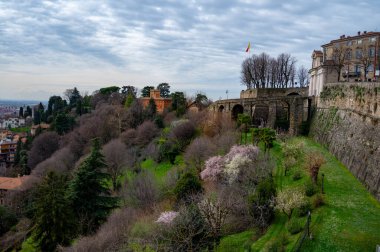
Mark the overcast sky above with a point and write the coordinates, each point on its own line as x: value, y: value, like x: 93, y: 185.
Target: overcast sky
x: 47, y: 47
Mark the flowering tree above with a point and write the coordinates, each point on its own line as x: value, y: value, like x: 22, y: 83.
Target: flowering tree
x: 288, y: 200
x: 233, y: 167
x: 230, y: 165
x: 213, y: 168
x: 250, y: 151
x: 167, y: 217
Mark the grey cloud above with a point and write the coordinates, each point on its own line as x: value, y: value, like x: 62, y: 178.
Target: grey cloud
x: 187, y: 43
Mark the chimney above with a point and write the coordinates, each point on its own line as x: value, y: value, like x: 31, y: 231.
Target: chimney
x: 358, y: 33
x: 365, y: 32
x: 343, y: 36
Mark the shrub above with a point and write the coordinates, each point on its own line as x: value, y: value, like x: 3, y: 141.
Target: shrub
x: 304, y: 209
x: 261, y: 208
x: 294, y: 226
x: 187, y: 232
x: 146, y: 132
x: 293, y: 150
x: 297, y: 176
x: 186, y: 186
x: 318, y: 201
x: 7, y: 220
x: 143, y: 190
x: 278, y: 244
x: 198, y: 151
x: 310, y: 188
x: 314, y: 162
x: 289, y: 163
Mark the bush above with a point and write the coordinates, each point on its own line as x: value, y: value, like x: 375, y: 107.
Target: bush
x: 7, y: 220
x: 294, y: 226
x: 189, y: 184
x: 318, y: 201
x: 314, y: 162
x: 310, y: 188
x: 297, y: 176
x: 276, y: 244
x: 304, y: 209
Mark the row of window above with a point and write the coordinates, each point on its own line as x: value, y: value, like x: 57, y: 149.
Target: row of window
x: 359, y: 53
x: 358, y: 41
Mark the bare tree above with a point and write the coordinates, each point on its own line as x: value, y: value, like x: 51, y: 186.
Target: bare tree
x: 263, y: 71
x: 366, y: 60
x: 43, y: 147
x: 198, y: 151
x: 302, y: 76
x: 339, y: 58
x: 146, y: 132
x: 142, y: 191
x: 116, y: 159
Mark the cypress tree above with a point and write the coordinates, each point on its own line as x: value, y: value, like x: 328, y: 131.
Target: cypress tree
x: 88, y: 193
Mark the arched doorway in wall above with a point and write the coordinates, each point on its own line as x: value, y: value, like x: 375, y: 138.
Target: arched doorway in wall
x: 282, y: 115
x: 260, y: 114
x: 293, y: 94
x: 221, y: 108
x: 236, y: 110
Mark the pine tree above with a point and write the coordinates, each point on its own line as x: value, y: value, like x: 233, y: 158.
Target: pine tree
x: 53, y: 218
x: 88, y: 192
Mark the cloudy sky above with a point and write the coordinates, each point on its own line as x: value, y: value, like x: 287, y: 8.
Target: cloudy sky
x: 47, y: 47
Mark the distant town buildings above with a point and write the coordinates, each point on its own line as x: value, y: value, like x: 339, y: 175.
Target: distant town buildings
x: 347, y: 59
x: 161, y: 103
x: 14, y: 122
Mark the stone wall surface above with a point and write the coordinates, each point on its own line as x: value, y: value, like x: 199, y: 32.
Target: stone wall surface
x: 346, y: 121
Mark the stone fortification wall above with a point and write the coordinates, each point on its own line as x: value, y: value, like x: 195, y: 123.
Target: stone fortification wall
x: 346, y: 121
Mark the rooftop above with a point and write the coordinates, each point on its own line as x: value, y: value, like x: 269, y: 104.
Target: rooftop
x: 7, y: 183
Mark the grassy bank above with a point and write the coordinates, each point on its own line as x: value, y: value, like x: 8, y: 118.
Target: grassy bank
x: 349, y: 220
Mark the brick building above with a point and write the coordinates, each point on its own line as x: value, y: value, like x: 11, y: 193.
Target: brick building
x: 161, y: 103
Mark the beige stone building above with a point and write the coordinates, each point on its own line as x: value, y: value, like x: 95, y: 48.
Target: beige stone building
x: 347, y: 59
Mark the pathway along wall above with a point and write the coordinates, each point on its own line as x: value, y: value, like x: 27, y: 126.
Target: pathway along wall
x: 346, y: 121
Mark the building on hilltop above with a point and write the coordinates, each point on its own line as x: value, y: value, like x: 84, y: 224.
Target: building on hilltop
x: 347, y: 59
x: 161, y: 103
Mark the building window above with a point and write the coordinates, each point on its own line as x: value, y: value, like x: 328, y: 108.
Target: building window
x: 357, y: 69
x: 373, y: 39
x: 359, y: 41
x: 371, y: 52
x: 348, y: 54
x: 370, y: 68
x: 349, y: 43
x: 359, y: 53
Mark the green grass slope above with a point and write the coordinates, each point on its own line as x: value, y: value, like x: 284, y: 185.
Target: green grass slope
x: 349, y: 221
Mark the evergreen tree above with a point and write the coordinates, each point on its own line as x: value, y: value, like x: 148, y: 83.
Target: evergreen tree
x: 18, y: 150
x: 28, y: 112
x: 53, y: 218
x: 164, y: 90
x: 89, y: 194
x: 63, y: 123
x: 129, y: 100
x: 21, y: 112
x: 129, y: 90
x: 24, y: 168
x: 179, y: 103
x: 151, y: 109
x: 145, y: 92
